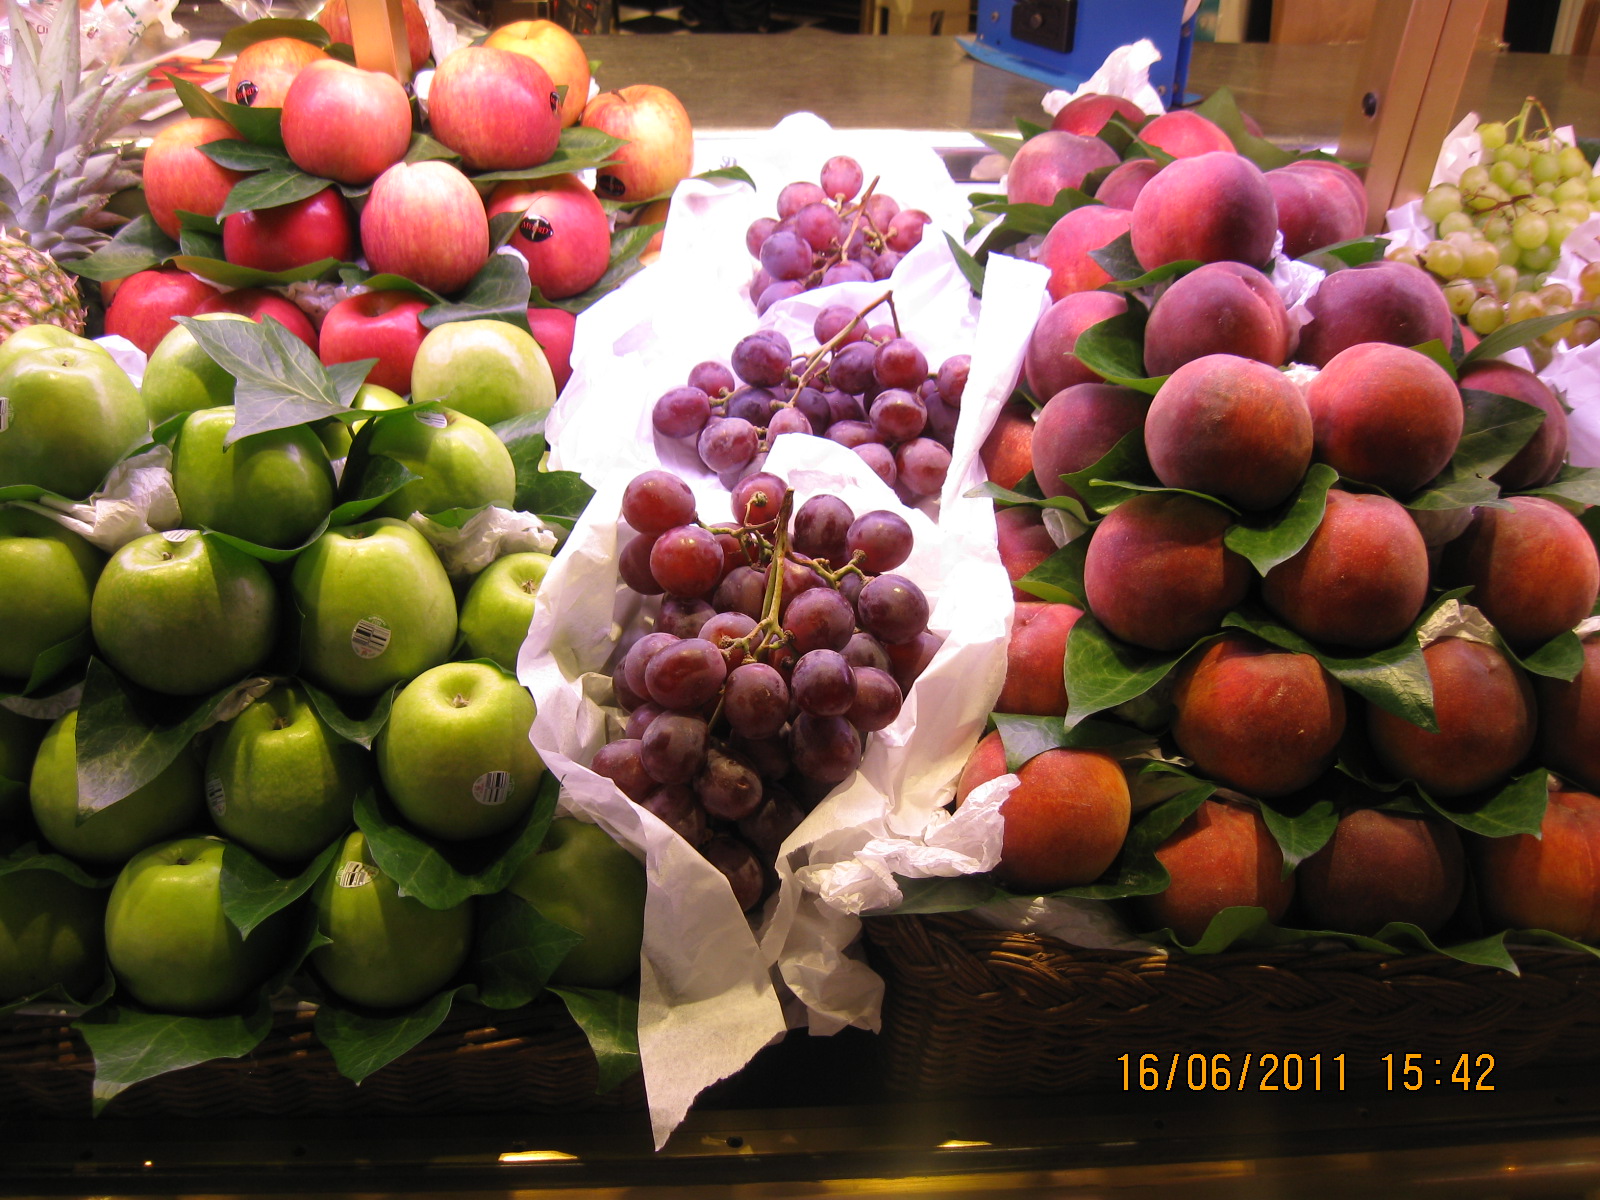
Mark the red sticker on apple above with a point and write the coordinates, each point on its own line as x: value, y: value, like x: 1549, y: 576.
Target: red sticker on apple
x: 353, y: 875
x: 370, y: 637
x: 492, y: 787
x: 216, y: 796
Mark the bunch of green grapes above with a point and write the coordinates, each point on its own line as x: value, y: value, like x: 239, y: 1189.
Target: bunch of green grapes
x: 1501, y: 227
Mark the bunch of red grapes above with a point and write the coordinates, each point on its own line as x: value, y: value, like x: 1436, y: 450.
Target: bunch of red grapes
x: 867, y: 388
x: 824, y: 235
x: 780, y: 645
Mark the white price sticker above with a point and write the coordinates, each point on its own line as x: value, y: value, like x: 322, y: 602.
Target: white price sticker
x: 5, y: 413
x: 216, y: 796
x: 434, y: 420
x: 354, y: 874
x: 370, y: 637
x: 492, y: 788
x: 178, y: 536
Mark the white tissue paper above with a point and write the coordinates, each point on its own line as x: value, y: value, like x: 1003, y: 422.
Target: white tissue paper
x: 1125, y: 73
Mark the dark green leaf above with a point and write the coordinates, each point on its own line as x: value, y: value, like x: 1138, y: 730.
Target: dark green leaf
x: 1302, y: 834
x: 130, y: 1045
x: 1001, y: 143
x: 197, y: 246
x: 559, y: 496
x: 940, y: 894
x: 497, y: 292
x: 1018, y: 222
x: 1544, y: 936
x: 364, y: 1042
x: 280, y: 383
x: 610, y: 1020
x: 53, y: 660
x: 360, y: 730
x: 1353, y: 253
x: 1103, y: 672
x: 971, y: 269
x: 424, y: 149
x: 269, y: 189
x: 252, y: 891
x: 1059, y: 578
x: 737, y: 174
x: 1440, y: 354
x: 387, y: 283
x: 138, y: 246
x: 247, y: 156
x: 1222, y: 110
x: 515, y: 950
x: 1027, y: 492
x: 1098, y: 485
x: 1240, y: 925
x: 1269, y: 540
x: 260, y: 125
x: 442, y: 877
x: 1495, y: 427
x: 1518, y: 807
x: 627, y: 244
x: 1122, y: 264
x: 502, y: 228
x: 1137, y: 871
x: 1027, y: 736
x: 1483, y: 952
x: 196, y: 101
x: 1114, y: 350
x: 238, y: 38
x: 232, y: 275
x: 32, y: 856
x: 523, y: 438
x: 1520, y: 333
x: 580, y: 149
x: 1580, y: 485
x: 1559, y: 658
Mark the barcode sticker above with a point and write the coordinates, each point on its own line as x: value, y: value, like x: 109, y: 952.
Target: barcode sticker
x: 370, y: 637
x: 177, y: 536
x: 434, y: 420
x: 5, y: 413
x: 354, y: 874
x: 216, y: 796
x: 492, y: 787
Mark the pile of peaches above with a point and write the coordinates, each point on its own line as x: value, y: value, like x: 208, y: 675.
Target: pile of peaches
x: 1322, y: 594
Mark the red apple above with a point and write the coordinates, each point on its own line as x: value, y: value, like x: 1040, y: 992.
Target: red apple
x: 327, y: 103
x: 498, y: 109
x: 257, y: 303
x: 426, y: 221
x: 564, y: 234
x: 291, y: 235
x: 145, y: 304
x: 553, y: 329
x: 335, y: 18
x: 264, y: 70
x: 557, y: 51
x: 660, y: 149
x: 382, y: 325
x: 178, y: 177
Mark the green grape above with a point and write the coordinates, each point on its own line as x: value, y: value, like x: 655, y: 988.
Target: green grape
x: 1443, y: 259
x: 1557, y: 297
x: 1480, y: 201
x: 1454, y: 223
x: 1523, y: 306
x: 1495, y: 227
x: 1594, y: 190
x: 1459, y: 294
x: 1478, y: 259
x: 1516, y: 153
x: 1585, y: 332
x: 1545, y: 190
x: 1486, y: 315
x: 1539, y: 205
x: 1546, y: 167
x: 1440, y: 202
x: 1560, y: 226
x: 1530, y: 230
x: 1573, y: 164
x: 1504, y: 280
x: 1473, y: 179
x: 1539, y: 259
x: 1505, y: 174
x: 1571, y: 189
x: 1507, y: 249
x: 1492, y: 134
x: 1589, y: 280
x: 1404, y: 255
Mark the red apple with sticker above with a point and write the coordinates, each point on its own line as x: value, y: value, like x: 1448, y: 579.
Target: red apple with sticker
x: 330, y: 100
x: 555, y: 49
x: 660, y: 149
x: 562, y: 232
x: 264, y: 70
x: 498, y: 109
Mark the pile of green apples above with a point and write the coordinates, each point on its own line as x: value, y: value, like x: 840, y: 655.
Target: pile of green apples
x: 297, y: 618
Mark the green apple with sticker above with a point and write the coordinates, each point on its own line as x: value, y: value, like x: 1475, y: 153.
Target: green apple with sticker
x: 459, y: 462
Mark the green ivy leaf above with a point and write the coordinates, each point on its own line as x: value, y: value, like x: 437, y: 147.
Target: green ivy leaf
x: 1576, y: 485
x: 1024, y: 736
x: 138, y: 246
x: 1518, y: 807
x: 253, y: 891
x: 130, y: 1045
x: 515, y: 950
x: 363, y: 731
x: 1275, y: 538
x: 232, y: 275
x: 444, y: 876
x: 610, y: 1020
x: 280, y: 383
x: 423, y: 148
x: 1114, y: 350
x: 499, y: 291
x: 1520, y: 333
x: 1300, y: 835
x: 249, y: 34
x: 1103, y: 672
x: 271, y: 188
x: 1097, y: 483
x: 1354, y: 253
x: 363, y: 1042
x: 247, y: 156
x: 1059, y: 578
x: 1222, y: 109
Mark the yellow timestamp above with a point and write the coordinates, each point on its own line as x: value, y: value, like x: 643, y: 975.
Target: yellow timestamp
x: 1414, y: 1072
x: 1270, y: 1072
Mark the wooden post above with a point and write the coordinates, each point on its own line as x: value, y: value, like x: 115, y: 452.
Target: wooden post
x: 378, y: 33
x: 1417, y: 58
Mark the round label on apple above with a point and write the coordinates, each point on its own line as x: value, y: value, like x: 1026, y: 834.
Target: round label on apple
x: 216, y: 796
x: 177, y: 536
x: 370, y: 637
x: 492, y: 787
x: 354, y: 874
x: 434, y: 420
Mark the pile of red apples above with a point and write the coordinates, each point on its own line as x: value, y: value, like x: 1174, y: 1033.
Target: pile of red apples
x: 1230, y: 436
x: 498, y: 107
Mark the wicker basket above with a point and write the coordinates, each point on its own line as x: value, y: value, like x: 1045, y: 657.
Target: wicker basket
x: 530, y: 1060
x: 971, y: 1009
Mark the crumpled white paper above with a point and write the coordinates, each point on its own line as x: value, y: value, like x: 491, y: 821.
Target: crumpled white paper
x: 136, y: 499
x: 1125, y: 73
x: 490, y: 534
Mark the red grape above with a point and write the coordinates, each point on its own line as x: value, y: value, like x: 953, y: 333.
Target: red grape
x: 619, y: 762
x: 633, y: 565
x: 823, y: 684
x: 656, y: 501
x: 686, y: 674
x: 681, y: 412
x: 674, y: 747
x: 687, y: 561
x: 755, y: 700
x: 892, y: 609
x: 729, y: 788
x: 877, y: 700
x: 884, y: 539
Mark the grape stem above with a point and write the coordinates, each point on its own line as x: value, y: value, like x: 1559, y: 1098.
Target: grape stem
x: 814, y: 359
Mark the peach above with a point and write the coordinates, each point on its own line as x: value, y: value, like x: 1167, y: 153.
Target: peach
x: 1262, y: 720
x: 1569, y: 720
x: 179, y: 178
x: 1384, y: 866
x: 1219, y: 308
x: 1232, y: 428
x: 1088, y: 114
x: 1540, y: 461
x: 1065, y: 821
x: 1049, y: 364
x: 1184, y: 134
x: 1483, y: 706
x: 1065, y: 249
x: 1385, y: 415
x: 1023, y: 542
x: 1036, y: 658
x: 1532, y: 567
x: 1051, y: 161
x: 1007, y: 453
x: 1376, y: 302
x: 1222, y: 856
x: 1317, y: 207
x: 1077, y: 428
x: 1122, y: 186
x: 1157, y: 573
x: 1551, y: 881
x: 1359, y: 581
x: 1210, y: 208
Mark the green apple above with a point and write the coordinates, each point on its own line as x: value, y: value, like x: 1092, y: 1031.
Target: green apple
x: 19, y: 743
x: 384, y: 950
x: 375, y: 607
x: 499, y: 607
x: 459, y: 462
x: 280, y: 782
x: 47, y: 575
x: 181, y: 377
x: 43, y: 337
x: 66, y: 416
x: 270, y: 488
x: 336, y: 435
x: 170, y: 944
x: 490, y: 370
x: 52, y: 936
x: 166, y: 806
x: 584, y: 880
x: 184, y: 613
x: 455, y: 756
